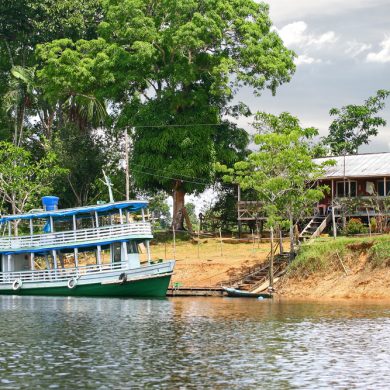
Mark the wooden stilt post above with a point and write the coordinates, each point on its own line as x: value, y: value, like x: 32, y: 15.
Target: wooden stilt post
x: 220, y: 238
x: 334, y: 224
x: 369, y: 222
x: 174, y: 242
x: 280, y: 241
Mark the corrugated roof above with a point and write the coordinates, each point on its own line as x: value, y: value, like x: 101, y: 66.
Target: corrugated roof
x: 360, y: 165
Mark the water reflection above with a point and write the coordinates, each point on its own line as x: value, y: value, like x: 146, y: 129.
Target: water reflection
x: 192, y: 343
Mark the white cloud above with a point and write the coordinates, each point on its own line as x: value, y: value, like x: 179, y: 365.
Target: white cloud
x: 284, y: 10
x: 295, y: 34
x: 382, y: 55
x: 354, y: 48
x: 304, y: 59
x: 328, y: 37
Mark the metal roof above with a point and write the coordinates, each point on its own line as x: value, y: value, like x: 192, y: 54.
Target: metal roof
x: 360, y: 165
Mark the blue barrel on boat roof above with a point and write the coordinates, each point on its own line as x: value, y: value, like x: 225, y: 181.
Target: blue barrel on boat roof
x: 50, y: 203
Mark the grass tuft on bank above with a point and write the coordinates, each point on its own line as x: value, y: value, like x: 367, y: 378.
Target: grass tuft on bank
x: 324, y: 255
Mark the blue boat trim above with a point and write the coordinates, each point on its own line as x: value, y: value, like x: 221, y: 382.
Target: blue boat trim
x: 58, y: 214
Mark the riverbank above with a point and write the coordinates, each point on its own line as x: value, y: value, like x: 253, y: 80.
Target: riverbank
x: 207, y: 262
x: 345, y: 268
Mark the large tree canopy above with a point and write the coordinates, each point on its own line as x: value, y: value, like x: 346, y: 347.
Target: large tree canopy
x: 174, y: 65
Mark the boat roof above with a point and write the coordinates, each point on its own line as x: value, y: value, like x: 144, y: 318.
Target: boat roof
x: 130, y: 205
x: 359, y: 165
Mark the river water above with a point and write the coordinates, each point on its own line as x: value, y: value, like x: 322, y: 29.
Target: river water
x: 180, y: 343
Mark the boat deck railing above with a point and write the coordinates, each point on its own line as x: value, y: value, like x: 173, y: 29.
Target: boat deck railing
x: 59, y: 274
x: 86, y: 272
x: 81, y: 236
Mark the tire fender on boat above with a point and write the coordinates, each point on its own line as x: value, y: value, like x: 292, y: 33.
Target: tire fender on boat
x: 123, y: 277
x: 72, y: 283
x: 17, y: 284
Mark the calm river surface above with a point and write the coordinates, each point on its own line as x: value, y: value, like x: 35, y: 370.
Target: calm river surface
x: 217, y: 343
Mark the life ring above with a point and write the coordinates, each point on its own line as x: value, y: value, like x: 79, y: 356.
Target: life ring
x: 72, y: 283
x: 17, y: 284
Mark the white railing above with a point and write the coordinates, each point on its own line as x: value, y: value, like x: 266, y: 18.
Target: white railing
x: 90, y: 273
x: 59, y: 274
x: 63, y: 239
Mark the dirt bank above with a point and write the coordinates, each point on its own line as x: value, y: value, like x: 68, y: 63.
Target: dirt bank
x: 208, y: 263
x: 346, y: 268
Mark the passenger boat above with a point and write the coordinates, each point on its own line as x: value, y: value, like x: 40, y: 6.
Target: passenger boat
x: 83, y: 251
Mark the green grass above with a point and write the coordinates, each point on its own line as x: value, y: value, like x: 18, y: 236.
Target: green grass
x: 380, y: 254
x: 321, y: 255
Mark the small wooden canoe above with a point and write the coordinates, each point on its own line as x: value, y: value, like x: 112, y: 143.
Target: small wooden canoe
x: 232, y: 292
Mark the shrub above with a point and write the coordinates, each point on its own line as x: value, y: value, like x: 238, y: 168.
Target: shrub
x: 374, y: 225
x: 380, y: 254
x: 355, y: 226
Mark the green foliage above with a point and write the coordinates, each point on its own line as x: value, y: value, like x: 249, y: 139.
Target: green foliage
x: 223, y: 213
x: 24, y: 24
x: 173, y: 63
x: 355, y: 226
x: 380, y: 254
x: 84, y: 155
x: 323, y: 255
x: 22, y: 180
x: 373, y: 224
x: 282, y: 170
x: 191, y: 211
x: 355, y: 124
x: 159, y: 208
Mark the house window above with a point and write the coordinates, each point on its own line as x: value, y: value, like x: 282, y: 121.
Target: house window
x: 381, y: 188
x: 346, y: 189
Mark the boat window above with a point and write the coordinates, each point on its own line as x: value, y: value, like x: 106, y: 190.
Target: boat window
x: 116, y: 247
x: 132, y: 247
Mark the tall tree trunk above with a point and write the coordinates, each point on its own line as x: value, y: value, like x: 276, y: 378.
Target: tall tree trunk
x: 178, y: 205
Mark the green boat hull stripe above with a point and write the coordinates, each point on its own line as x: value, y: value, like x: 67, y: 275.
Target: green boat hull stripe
x: 147, y: 287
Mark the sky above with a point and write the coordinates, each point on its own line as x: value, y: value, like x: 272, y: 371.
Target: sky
x: 343, y: 49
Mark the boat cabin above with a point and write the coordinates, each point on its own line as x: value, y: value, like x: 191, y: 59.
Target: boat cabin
x: 48, y: 243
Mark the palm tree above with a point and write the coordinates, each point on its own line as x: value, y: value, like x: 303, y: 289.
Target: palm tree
x: 20, y: 96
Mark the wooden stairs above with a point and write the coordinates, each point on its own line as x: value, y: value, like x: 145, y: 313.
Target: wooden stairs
x: 315, y: 227
x: 258, y: 275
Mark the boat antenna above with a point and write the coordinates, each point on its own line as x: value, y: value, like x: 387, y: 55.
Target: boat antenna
x: 107, y: 181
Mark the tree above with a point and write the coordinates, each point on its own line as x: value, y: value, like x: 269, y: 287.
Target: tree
x: 84, y: 155
x: 355, y: 124
x: 160, y: 210
x: 23, y: 180
x: 24, y: 24
x: 281, y: 172
x: 176, y: 66
x: 186, y: 60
